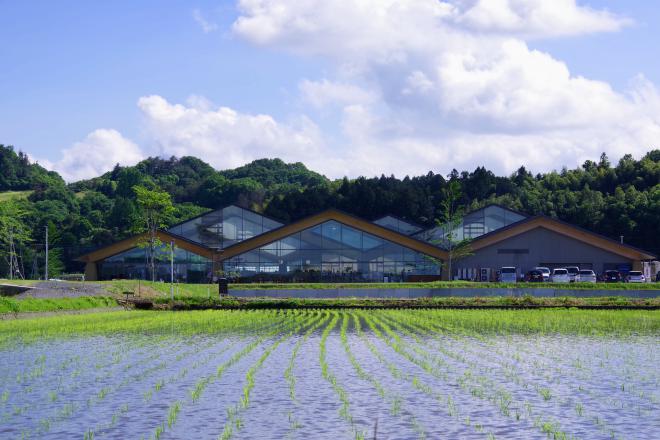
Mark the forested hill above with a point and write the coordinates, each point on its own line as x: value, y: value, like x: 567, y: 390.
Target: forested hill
x: 18, y: 174
x: 612, y: 199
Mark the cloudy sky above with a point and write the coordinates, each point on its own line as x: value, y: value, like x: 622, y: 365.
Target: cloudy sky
x: 353, y: 88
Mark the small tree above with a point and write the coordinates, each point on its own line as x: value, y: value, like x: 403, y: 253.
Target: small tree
x: 155, y: 207
x: 451, y: 217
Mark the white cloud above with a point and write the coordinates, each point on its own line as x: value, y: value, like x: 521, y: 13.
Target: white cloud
x: 453, y: 84
x: 206, y: 25
x: 223, y: 136
x: 98, y: 153
x: 323, y: 93
x: 536, y: 18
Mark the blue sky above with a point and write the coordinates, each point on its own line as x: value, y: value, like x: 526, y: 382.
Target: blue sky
x: 73, y: 68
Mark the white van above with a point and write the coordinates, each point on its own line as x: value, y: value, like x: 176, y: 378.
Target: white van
x: 560, y: 275
x: 508, y: 275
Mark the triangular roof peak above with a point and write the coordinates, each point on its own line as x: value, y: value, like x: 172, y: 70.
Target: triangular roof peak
x: 560, y: 227
x: 341, y: 217
x: 134, y: 241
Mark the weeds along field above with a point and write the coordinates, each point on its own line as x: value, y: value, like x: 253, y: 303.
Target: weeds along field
x: 353, y: 374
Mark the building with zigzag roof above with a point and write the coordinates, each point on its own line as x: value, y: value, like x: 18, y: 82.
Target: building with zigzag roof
x: 333, y: 246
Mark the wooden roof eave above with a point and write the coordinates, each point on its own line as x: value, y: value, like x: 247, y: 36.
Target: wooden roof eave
x: 562, y: 228
x: 132, y: 242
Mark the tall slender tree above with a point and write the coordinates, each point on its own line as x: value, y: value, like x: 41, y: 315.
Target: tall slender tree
x: 155, y: 208
x: 451, y: 218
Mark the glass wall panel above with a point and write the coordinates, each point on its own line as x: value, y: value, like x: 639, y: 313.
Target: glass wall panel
x: 330, y: 252
x: 224, y: 227
x: 474, y: 224
x: 398, y: 225
x: 134, y: 264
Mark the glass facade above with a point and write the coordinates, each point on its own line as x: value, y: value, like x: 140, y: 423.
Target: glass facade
x: 133, y: 264
x: 224, y: 227
x: 398, y: 225
x: 474, y: 224
x: 331, y: 251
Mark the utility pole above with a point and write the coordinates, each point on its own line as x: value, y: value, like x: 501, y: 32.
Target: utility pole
x: 46, y: 268
x: 11, y: 254
x: 172, y: 269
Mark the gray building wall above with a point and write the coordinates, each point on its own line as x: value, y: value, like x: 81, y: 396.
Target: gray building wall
x: 542, y: 247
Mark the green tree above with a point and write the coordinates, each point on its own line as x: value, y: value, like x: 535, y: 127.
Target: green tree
x: 155, y: 208
x: 14, y: 234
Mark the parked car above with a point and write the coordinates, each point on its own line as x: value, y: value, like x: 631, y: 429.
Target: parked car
x: 612, y: 276
x: 545, y: 271
x: 534, y: 276
x: 573, y: 272
x: 560, y: 275
x: 508, y: 274
x: 635, y: 276
x: 586, y: 276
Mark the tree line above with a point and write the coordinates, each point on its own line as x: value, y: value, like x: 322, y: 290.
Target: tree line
x: 610, y: 199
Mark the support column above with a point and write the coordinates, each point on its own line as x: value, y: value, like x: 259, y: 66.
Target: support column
x: 91, y: 271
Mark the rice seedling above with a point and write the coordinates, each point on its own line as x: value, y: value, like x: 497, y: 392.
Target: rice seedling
x: 288, y: 373
x: 344, y: 410
x: 543, y: 391
x: 499, y: 396
x: 174, y: 412
x: 546, y: 393
x: 250, y: 375
x: 396, y: 402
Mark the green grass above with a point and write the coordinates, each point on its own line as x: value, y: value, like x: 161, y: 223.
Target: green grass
x: 11, y: 305
x: 202, y: 290
x: 526, y: 301
x: 12, y: 195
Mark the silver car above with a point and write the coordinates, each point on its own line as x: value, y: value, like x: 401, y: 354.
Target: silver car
x: 573, y: 272
x: 635, y: 276
x: 586, y: 276
x: 560, y: 275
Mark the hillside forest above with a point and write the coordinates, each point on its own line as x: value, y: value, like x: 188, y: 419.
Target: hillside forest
x: 610, y: 199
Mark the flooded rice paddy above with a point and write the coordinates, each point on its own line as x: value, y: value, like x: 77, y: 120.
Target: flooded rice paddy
x: 332, y: 374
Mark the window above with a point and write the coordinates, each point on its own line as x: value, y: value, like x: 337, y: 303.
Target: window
x: 224, y: 227
x: 331, y: 251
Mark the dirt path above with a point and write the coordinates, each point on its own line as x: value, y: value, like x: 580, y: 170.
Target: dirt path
x: 63, y: 289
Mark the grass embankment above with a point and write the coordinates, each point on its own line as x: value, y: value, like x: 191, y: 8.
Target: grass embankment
x: 10, y: 305
x: 552, y: 321
x: 495, y: 302
x: 203, y: 290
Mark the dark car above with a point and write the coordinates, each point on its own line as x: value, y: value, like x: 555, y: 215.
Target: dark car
x: 534, y: 276
x: 612, y: 276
